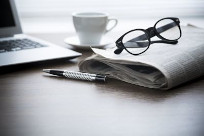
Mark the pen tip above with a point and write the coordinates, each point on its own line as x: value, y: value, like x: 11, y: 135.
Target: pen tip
x: 46, y: 70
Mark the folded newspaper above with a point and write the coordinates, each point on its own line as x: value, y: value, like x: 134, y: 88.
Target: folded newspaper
x: 162, y: 66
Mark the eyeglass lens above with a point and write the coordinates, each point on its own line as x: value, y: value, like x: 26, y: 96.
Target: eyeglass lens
x: 135, y: 45
x: 168, y: 29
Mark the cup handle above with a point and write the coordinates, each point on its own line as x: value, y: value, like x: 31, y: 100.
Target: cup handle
x: 116, y: 22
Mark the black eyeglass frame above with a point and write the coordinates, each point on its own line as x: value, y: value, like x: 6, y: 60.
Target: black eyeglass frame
x: 149, y: 33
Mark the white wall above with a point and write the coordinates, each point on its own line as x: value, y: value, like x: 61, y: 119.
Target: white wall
x: 119, y: 8
x: 55, y: 15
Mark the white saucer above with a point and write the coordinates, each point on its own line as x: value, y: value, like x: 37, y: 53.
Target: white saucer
x: 74, y: 41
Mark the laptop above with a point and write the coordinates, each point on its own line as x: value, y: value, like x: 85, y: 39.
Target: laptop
x: 18, y: 48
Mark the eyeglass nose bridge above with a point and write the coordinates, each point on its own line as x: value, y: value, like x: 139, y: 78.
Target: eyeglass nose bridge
x: 151, y: 31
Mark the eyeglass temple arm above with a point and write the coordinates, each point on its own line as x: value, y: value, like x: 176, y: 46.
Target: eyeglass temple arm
x: 167, y: 42
x: 119, y: 50
x: 145, y: 43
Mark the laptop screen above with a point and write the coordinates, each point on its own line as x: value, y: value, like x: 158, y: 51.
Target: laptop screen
x: 6, y: 16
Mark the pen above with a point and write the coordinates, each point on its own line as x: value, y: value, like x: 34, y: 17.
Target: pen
x: 76, y: 75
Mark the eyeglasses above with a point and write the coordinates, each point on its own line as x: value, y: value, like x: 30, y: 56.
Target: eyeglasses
x: 137, y: 41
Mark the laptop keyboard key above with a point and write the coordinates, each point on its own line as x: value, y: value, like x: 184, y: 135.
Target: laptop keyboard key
x: 18, y: 44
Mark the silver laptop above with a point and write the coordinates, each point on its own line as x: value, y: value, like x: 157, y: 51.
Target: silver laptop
x: 17, y: 48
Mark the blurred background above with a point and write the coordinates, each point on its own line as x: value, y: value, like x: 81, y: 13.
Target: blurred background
x: 55, y: 15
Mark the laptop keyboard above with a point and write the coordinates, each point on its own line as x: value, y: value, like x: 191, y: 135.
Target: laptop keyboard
x: 18, y: 44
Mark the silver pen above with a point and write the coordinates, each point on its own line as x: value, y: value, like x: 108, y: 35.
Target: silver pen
x: 76, y: 75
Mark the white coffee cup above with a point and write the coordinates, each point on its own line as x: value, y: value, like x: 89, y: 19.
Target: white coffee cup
x: 91, y: 26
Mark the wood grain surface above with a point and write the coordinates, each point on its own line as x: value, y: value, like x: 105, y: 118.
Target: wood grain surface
x: 35, y: 104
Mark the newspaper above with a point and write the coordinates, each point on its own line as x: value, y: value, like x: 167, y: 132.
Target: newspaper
x: 162, y: 66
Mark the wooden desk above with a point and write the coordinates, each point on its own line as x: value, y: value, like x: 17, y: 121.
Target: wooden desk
x: 33, y: 104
